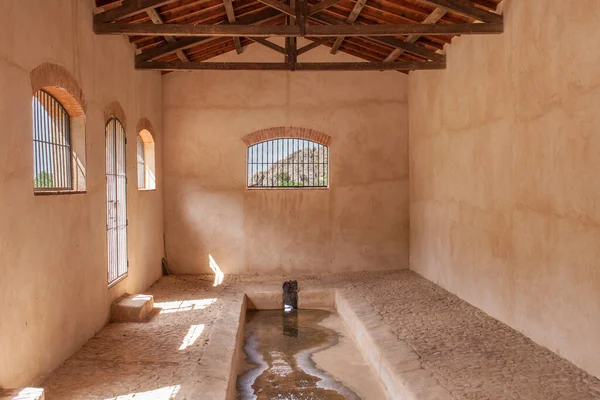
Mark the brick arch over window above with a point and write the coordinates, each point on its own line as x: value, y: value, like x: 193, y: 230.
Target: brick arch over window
x: 60, y: 83
x: 281, y: 132
x: 115, y: 110
x: 145, y: 124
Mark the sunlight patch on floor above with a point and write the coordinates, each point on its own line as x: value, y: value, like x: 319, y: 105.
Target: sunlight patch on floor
x: 165, y: 393
x: 183, y: 305
x: 192, y: 335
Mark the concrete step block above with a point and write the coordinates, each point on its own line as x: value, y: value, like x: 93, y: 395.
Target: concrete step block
x: 132, y: 308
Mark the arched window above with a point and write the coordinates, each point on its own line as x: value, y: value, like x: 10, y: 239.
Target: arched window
x: 52, y: 169
x: 287, y: 163
x: 58, y: 111
x: 116, y: 200
x: 145, y: 161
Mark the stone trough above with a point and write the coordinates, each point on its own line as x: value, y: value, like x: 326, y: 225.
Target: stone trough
x: 393, y: 361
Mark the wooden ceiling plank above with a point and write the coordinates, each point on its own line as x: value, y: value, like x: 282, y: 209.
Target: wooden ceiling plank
x: 186, y: 42
x: 294, y: 31
x: 155, y: 17
x: 231, y: 18
x: 358, y: 6
x: 129, y: 8
x: 432, y: 18
x: 466, y: 8
x: 322, y: 5
x: 390, y: 41
x: 279, y: 6
x: 323, y: 66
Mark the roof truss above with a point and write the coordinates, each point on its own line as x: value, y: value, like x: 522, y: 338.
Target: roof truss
x: 388, y: 34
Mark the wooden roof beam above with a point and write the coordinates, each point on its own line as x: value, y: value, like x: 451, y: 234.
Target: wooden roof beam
x: 295, y: 31
x: 187, y: 42
x: 322, y: 5
x: 358, y: 6
x: 468, y: 9
x: 129, y: 8
x: 258, y: 66
x: 279, y: 6
x: 269, y: 44
x: 312, y: 45
x: 390, y: 41
x: 153, y: 14
x: 434, y: 17
x: 231, y: 18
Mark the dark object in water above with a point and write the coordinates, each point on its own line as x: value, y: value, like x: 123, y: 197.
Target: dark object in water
x: 290, y: 295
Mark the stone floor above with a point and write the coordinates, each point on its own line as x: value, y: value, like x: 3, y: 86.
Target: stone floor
x: 471, y: 354
x: 149, y: 360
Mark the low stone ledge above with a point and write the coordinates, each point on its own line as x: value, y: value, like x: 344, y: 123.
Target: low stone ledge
x: 132, y: 308
x: 396, y: 363
x: 218, y: 367
x: 313, y: 299
x: 23, y: 394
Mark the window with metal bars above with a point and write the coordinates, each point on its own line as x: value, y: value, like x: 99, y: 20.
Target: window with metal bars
x: 116, y: 200
x: 141, y: 164
x: 287, y: 163
x: 51, y: 145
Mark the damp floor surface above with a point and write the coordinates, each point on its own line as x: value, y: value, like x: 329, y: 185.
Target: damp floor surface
x: 474, y: 356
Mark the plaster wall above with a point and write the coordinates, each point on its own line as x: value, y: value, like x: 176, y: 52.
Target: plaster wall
x: 53, y: 265
x: 504, y: 161
x: 359, y: 223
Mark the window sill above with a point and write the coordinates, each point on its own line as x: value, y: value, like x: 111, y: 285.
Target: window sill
x: 146, y: 190
x: 58, y: 192
x: 288, y: 188
x: 118, y: 280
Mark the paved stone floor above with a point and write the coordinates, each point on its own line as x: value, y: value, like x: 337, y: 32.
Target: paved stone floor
x: 144, y: 360
x: 471, y: 354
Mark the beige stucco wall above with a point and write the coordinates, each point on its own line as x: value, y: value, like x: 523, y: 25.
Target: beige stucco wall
x: 504, y: 163
x: 360, y: 223
x: 53, y: 268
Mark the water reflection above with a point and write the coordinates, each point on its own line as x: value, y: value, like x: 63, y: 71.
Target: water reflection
x: 290, y: 323
x: 279, y: 346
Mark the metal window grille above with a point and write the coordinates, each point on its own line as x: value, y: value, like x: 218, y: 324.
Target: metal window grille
x: 116, y: 201
x: 51, y: 144
x: 287, y: 163
x: 141, y: 164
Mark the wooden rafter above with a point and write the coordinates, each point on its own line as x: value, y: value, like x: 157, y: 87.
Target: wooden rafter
x: 358, y: 6
x: 170, y: 39
x: 432, y: 18
x: 269, y: 44
x: 400, y: 32
x: 295, y: 31
x: 129, y: 8
x: 312, y: 45
x: 466, y: 8
x: 279, y: 6
x: 325, y: 66
x: 390, y: 41
x: 231, y: 18
x: 290, y: 42
x: 320, y: 6
x: 290, y: 11
x: 187, y: 42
